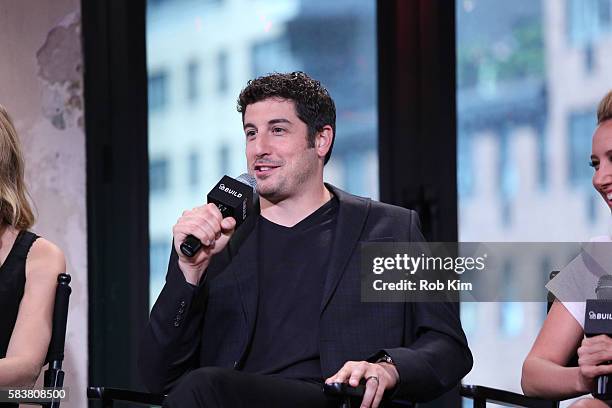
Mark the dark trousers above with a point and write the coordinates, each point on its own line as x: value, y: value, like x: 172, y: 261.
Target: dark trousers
x: 213, y: 387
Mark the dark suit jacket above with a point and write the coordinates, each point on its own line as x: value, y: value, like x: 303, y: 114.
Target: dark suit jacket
x: 212, y: 324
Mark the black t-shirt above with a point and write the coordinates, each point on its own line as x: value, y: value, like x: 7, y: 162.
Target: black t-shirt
x: 293, y: 263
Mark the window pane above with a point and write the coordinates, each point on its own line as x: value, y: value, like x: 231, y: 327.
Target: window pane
x: 529, y: 77
x: 193, y: 81
x: 194, y: 169
x: 158, y: 91
x: 223, y: 71
x: 215, y: 47
x: 580, y: 129
x: 158, y: 176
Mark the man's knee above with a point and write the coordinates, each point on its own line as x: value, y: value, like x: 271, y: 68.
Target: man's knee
x: 198, y: 388
x: 206, y: 377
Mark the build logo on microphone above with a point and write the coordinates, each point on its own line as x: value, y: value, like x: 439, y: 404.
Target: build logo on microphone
x: 599, y: 316
x: 230, y: 191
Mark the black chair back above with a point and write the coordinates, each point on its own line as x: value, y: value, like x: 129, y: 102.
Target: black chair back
x: 54, y: 376
x: 550, y: 298
x: 481, y: 395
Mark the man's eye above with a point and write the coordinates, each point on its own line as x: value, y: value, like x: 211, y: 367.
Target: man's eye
x: 278, y: 130
x: 594, y: 164
x: 250, y: 133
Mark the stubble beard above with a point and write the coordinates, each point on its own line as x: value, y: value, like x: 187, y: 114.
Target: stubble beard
x: 287, y: 185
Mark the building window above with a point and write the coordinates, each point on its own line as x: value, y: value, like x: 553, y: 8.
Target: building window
x: 155, y: 3
x: 512, y: 318
x: 542, y: 161
x: 465, y: 167
x: 224, y: 159
x: 353, y: 165
x: 587, y: 20
x: 194, y: 169
x: 581, y: 127
x: 158, y: 90
x: 509, y: 181
x: 469, y: 317
x: 511, y: 313
x: 223, y: 72
x: 272, y: 56
x: 159, y: 254
x: 593, y: 203
x: 193, y: 81
x: 158, y: 175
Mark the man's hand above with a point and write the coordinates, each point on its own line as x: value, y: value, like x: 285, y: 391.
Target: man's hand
x: 378, y: 378
x: 591, y: 354
x: 214, y: 232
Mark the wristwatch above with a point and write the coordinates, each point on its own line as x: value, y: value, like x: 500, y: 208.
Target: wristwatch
x: 385, y: 358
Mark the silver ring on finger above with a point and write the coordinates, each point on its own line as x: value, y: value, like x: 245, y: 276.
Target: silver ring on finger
x: 372, y: 377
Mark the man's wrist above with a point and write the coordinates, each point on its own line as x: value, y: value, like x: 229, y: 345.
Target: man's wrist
x: 386, y: 362
x: 385, y: 358
x: 391, y: 369
x: 192, y: 273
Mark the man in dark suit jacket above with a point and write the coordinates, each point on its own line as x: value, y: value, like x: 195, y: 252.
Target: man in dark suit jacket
x: 263, y: 316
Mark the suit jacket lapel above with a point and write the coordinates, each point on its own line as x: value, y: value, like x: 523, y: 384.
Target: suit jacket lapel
x: 352, y: 213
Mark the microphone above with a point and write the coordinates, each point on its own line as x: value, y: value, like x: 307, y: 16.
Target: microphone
x: 604, y: 288
x: 598, y: 320
x: 234, y: 198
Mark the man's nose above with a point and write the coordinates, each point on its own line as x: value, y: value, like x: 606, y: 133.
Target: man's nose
x: 262, y: 145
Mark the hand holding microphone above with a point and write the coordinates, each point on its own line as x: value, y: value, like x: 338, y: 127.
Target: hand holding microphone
x: 207, y: 225
x: 595, y: 352
x: 594, y: 355
x: 205, y: 231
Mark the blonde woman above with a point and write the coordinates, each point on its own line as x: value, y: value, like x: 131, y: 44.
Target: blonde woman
x: 29, y: 266
x: 544, y: 371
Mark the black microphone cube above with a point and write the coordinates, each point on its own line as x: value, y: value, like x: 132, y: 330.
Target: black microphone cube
x: 598, y: 317
x: 598, y: 320
x: 233, y: 198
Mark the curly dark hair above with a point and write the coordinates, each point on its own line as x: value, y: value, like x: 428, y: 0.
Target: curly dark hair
x: 313, y: 104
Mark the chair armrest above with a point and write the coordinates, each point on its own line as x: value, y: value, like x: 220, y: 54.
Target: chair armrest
x: 483, y: 395
x: 346, y: 393
x: 115, y: 394
x: 344, y: 390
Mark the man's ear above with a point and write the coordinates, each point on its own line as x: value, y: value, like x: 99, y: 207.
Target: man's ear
x: 323, y: 140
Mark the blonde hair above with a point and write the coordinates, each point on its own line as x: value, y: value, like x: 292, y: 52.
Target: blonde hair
x: 15, y: 208
x: 604, y: 110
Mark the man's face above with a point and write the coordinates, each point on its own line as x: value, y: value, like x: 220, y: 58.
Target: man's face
x: 277, y: 149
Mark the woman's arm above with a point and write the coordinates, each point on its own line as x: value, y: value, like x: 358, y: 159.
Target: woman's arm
x: 544, y: 371
x: 29, y: 342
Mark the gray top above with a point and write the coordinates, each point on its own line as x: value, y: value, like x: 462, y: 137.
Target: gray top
x: 577, y: 281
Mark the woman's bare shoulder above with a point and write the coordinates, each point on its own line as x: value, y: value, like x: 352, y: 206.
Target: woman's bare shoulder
x: 45, y: 258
